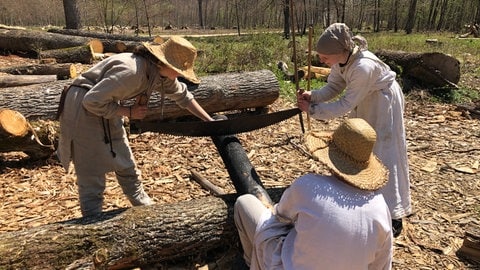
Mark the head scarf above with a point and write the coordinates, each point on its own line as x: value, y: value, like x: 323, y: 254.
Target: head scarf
x: 336, y: 39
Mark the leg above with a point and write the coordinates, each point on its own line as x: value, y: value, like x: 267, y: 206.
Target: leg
x: 90, y: 191
x: 129, y: 180
x: 247, y: 212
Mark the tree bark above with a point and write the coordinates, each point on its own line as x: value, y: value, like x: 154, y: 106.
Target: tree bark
x: 427, y: 69
x: 63, y: 71
x: 17, y: 40
x: 20, y: 80
x: 101, y: 36
x: 216, y: 93
x: 79, y: 54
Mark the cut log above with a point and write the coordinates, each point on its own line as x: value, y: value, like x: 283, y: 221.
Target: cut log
x: 79, y: 54
x: 216, y: 93
x: 12, y: 124
x: 20, y: 80
x: 17, y: 134
x: 63, y: 71
x: 101, y: 36
x: 431, y: 70
x: 16, y: 40
x: 188, y: 231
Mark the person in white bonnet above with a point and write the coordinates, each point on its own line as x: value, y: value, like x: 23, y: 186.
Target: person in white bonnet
x: 335, y: 222
x: 91, y: 115
x: 363, y: 86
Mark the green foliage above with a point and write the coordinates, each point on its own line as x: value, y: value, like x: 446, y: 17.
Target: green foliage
x: 249, y: 52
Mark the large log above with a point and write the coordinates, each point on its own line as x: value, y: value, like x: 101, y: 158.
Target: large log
x: 63, y: 71
x: 20, y: 80
x: 432, y: 69
x: 33, y: 41
x: 79, y: 54
x: 99, y: 35
x: 189, y: 231
x: 216, y: 93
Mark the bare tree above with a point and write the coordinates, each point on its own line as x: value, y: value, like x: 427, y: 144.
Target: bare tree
x: 72, y: 14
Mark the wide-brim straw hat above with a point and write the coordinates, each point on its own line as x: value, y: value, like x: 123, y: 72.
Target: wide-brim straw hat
x: 176, y: 53
x: 347, y: 152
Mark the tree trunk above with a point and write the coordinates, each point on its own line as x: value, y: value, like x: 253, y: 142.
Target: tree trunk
x: 63, y: 71
x: 101, y: 36
x: 16, y: 134
x: 72, y: 14
x: 79, y: 54
x: 216, y: 93
x: 33, y: 41
x: 20, y: 80
x: 427, y: 69
x: 411, y: 16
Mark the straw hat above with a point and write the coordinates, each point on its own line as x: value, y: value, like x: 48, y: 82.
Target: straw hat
x: 348, y: 153
x: 178, y: 54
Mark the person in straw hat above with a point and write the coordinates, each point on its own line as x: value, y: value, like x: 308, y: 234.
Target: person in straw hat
x: 336, y: 221
x: 92, y: 109
x: 363, y: 86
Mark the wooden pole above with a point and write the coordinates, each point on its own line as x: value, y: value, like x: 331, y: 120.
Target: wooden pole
x: 309, y: 68
x: 295, y: 67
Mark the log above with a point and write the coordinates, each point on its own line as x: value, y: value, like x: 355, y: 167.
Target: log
x: 79, y: 54
x: 20, y: 80
x: 431, y: 70
x: 17, y: 134
x: 188, y: 231
x: 136, y: 237
x: 34, y: 41
x: 216, y: 93
x: 63, y: 71
x: 99, y: 35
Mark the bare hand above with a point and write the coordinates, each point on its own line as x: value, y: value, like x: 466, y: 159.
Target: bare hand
x: 303, y: 100
x: 138, y: 111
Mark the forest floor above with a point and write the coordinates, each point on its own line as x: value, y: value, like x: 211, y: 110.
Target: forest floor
x: 443, y: 149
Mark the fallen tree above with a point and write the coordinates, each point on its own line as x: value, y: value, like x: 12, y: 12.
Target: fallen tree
x: 432, y: 69
x: 216, y: 93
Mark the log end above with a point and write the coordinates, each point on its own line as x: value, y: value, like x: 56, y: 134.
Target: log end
x: 13, y: 123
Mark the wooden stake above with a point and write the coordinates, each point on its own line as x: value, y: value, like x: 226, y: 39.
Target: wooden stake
x: 295, y: 67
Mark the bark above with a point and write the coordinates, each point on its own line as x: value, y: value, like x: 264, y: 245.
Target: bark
x: 63, y: 71
x: 20, y: 80
x: 189, y: 231
x: 216, y: 93
x: 16, y: 134
x: 101, y: 36
x: 33, y: 41
x: 427, y: 69
x: 79, y: 54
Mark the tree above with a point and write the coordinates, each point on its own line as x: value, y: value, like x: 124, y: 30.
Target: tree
x: 72, y: 14
x: 411, y: 16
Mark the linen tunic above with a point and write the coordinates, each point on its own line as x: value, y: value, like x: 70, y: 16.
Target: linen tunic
x: 324, y: 223
x: 371, y: 92
x: 120, y: 77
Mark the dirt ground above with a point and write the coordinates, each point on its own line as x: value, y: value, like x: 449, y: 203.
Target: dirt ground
x: 443, y: 148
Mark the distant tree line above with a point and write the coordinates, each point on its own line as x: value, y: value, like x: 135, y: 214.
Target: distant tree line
x: 374, y: 15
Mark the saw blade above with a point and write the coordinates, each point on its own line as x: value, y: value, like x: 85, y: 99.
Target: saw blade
x: 199, y: 128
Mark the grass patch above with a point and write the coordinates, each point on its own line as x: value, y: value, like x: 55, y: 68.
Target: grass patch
x: 250, y: 52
